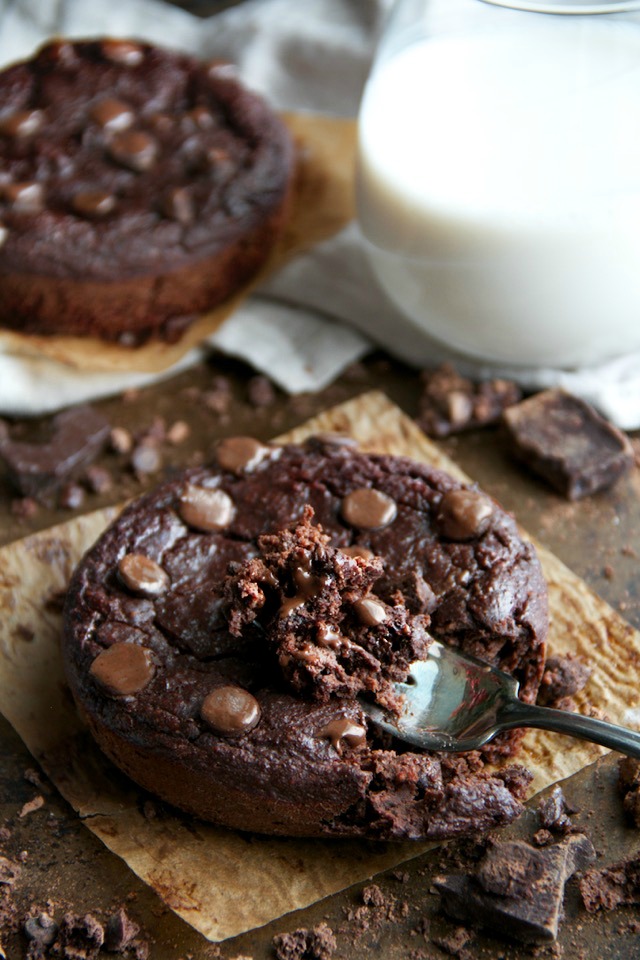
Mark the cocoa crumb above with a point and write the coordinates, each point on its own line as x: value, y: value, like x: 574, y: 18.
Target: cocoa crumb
x: 318, y: 943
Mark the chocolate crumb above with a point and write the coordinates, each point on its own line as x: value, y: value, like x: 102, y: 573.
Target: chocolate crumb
x: 451, y: 403
x: 79, y: 938
x: 318, y: 943
x: 563, y: 677
x: 119, y: 931
x: 554, y: 812
x: 611, y: 887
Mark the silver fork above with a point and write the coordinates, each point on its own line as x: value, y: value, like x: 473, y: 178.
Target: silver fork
x: 455, y: 702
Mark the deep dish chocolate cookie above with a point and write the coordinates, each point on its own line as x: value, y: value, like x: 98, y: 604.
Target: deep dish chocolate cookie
x: 138, y: 187
x: 216, y: 636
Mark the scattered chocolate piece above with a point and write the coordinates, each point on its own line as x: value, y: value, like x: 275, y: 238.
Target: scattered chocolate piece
x: 79, y: 938
x: 123, y: 669
x: 454, y: 943
x: 565, y: 441
x: 261, y: 392
x: 230, y: 711
x: 451, y: 403
x: 145, y: 459
x: 516, y: 890
x: 78, y: 435
x: 41, y: 930
x: 464, y: 514
x: 563, y: 677
x: 121, y: 440
x: 241, y: 454
x: 372, y: 896
x: 629, y: 783
x: 9, y: 871
x: 554, y: 812
x: 72, y: 496
x: 119, y: 931
x: 318, y: 943
x: 98, y: 479
x: 612, y: 886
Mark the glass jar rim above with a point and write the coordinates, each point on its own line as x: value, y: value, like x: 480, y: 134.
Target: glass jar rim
x: 569, y: 6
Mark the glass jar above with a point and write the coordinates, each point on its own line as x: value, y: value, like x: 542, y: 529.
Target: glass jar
x: 498, y: 180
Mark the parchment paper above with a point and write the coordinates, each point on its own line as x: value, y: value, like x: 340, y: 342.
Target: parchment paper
x: 221, y: 882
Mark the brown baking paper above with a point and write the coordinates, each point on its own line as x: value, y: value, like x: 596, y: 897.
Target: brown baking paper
x: 220, y: 881
x: 322, y: 204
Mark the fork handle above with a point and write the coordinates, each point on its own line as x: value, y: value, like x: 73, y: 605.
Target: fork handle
x: 519, y: 714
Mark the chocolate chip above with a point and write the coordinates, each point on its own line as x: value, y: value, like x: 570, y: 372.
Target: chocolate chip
x: 123, y: 669
x: 230, y: 710
x: 93, y: 203
x: 21, y: 124
x: 134, y: 149
x: 178, y: 205
x: 330, y: 638
x: 342, y: 730
x: 241, y: 454
x: 206, y: 509
x: 124, y: 52
x: 328, y: 439
x: 27, y: 197
x: 201, y: 118
x: 4, y: 233
x: 143, y: 575
x: 368, y: 509
x: 464, y: 514
x: 371, y: 612
x: 112, y: 114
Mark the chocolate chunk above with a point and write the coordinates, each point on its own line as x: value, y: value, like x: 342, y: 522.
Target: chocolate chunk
x: 143, y: 575
x: 119, y: 931
x: 78, y: 435
x: 371, y: 612
x: 27, y: 197
x: 134, y: 149
x: 451, y: 403
x: 565, y: 441
x: 123, y: 669
x: 206, y: 509
x: 369, y: 509
x: 125, y: 52
x: 241, y: 454
x: 230, y: 711
x: 93, y: 203
x: 342, y: 730
x: 112, y: 114
x: 22, y: 123
x: 464, y: 514
x: 554, y: 812
x: 516, y: 890
x: 612, y: 886
x: 316, y: 944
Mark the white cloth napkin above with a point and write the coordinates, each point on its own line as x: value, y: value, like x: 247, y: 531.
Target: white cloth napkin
x: 324, y: 310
